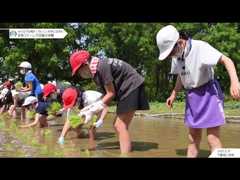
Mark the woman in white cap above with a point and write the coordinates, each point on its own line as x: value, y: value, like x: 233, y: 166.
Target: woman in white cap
x: 32, y: 83
x: 193, y: 62
x: 32, y: 88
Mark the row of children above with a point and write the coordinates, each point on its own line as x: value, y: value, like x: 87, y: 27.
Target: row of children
x: 38, y: 98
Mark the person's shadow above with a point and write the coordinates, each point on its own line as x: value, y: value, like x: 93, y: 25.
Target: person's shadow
x: 104, y: 135
x: 202, y: 153
x: 99, y: 135
x: 136, y: 145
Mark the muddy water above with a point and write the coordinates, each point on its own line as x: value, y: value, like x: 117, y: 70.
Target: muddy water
x: 158, y: 137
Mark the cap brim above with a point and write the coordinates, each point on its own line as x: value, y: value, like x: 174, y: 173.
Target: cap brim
x: 165, y: 54
x: 25, y: 104
x: 68, y: 106
x: 76, y: 69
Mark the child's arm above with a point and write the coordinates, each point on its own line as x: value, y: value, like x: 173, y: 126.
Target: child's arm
x: 104, y: 113
x: 101, y: 118
x: 27, y: 88
x: 178, y: 87
x: 110, y: 93
x: 65, y: 129
x: 101, y: 104
x: 33, y: 123
x: 234, y: 88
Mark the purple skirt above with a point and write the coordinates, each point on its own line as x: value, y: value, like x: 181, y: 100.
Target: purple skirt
x: 204, y: 106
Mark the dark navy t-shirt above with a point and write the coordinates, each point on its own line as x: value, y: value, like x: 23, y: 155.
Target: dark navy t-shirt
x: 42, y: 108
x: 123, y: 76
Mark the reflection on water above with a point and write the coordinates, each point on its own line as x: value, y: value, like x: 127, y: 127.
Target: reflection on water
x: 164, y: 137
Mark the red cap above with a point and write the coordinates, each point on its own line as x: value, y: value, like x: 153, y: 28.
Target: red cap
x: 49, y: 88
x: 69, y: 97
x: 77, y: 59
x: 7, y: 84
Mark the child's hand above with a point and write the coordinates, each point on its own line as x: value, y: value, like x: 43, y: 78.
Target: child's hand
x: 235, y: 90
x: 60, y: 112
x: 170, y: 101
x: 99, y: 123
x: 61, y: 140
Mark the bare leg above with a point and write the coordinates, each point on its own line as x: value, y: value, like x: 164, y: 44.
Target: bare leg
x: 79, y: 131
x: 194, y: 136
x: 23, y: 114
x: 12, y: 110
x: 121, y: 126
x: 2, y: 109
x: 213, y: 135
x: 43, y: 121
x: 92, y: 133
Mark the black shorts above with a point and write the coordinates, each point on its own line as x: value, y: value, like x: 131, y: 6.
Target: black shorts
x: 136, y: 100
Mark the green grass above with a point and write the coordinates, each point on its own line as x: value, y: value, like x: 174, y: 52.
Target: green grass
x: 159, y: 107
x: 232, y: 108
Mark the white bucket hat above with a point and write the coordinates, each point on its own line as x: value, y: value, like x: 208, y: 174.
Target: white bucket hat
x: 166, y: 40
x: 25, y: 64
x: 30, y: 100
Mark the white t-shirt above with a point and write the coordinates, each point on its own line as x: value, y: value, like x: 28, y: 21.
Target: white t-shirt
x: 90, y: 97
x: 4, y: 93
x: 19, y: 94
x: 197, y: 68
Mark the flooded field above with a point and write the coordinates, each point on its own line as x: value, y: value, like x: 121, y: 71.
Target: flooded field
x: 151, y: 137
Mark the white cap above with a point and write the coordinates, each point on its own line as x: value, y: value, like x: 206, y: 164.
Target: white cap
x: 30, y: 100
x: 25, y: 64
x: 166, y: 40
x: 11, y: 79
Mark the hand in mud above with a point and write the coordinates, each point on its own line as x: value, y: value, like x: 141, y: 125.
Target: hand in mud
x: 61, y: 140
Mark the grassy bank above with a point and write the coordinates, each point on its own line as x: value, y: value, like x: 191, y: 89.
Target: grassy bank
x: 232, y: 108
